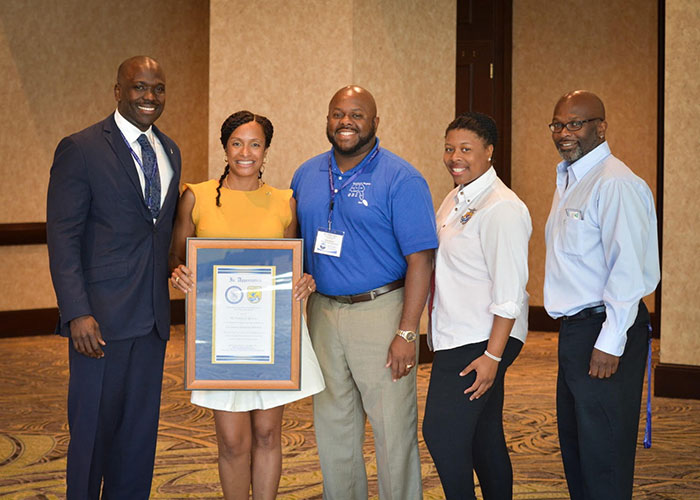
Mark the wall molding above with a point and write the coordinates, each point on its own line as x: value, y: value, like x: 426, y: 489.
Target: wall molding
x: 23, y: 233
x: 539, y: 321
x: 677, y: 381
x: 31, y: 322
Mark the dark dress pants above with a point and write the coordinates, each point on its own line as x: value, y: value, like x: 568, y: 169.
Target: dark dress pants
x: 598, y: 419
x: 464, y: 435
x: 113, y: 408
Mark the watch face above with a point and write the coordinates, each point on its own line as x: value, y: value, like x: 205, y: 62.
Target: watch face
x: 410, y: 336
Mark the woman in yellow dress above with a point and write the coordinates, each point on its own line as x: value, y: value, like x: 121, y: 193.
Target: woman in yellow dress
x: 240, y: 205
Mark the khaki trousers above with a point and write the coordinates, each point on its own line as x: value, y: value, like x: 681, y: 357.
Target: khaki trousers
x: 351, y: 342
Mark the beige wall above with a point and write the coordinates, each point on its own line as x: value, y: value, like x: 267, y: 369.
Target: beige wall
x: 402, y: 51
x: 606, y: 47
x: 285, y: 59
x: 58, y: 62
x: 680, y: 315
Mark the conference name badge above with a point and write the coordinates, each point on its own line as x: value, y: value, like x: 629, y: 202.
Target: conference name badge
x: 329, y: 242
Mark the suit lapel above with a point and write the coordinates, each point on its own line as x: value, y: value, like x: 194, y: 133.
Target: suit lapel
x: 174, y: 187
x: 116, y: 141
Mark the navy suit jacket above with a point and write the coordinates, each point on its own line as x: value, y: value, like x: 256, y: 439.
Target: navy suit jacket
x: 107, y: 257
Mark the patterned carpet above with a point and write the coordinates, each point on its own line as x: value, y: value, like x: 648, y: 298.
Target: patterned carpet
x: 33, y: 432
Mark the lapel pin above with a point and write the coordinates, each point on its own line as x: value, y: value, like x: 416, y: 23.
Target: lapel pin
x: 467, y: 215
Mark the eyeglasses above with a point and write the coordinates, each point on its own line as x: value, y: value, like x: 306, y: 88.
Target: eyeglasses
x: 572, y: 126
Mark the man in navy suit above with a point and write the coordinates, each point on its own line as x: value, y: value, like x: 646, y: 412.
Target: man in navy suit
x: 111, y: 200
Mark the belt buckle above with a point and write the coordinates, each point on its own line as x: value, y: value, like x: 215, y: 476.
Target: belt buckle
x: 372, y: 294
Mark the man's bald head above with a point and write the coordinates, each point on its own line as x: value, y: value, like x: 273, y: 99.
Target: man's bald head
x: 579, y: 106
x: 360, y: 94
x: 128, y: 66
x: 585, y: 101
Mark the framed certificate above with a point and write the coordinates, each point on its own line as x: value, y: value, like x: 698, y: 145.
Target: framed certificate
x: 243, y: 326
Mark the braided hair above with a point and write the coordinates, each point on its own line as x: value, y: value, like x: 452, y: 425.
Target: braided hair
x: 229, y: 126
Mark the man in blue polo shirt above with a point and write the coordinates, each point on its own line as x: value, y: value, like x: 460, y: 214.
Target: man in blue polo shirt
x: 368, y: 225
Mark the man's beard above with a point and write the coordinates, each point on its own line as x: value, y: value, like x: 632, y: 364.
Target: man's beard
x: 361, y: 142
x: 571, y: 155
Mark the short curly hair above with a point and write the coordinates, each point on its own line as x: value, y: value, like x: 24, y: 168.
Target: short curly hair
x: 481, y: 124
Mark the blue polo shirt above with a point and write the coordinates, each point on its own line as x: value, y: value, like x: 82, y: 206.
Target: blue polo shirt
x: 386, y: 213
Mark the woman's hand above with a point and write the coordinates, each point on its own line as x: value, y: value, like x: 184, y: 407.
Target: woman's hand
x: 181, y: 278
x: 486, y: 369
x: 304, y: 287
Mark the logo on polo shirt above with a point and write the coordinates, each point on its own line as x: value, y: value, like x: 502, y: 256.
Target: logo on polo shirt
x: 357, y: 190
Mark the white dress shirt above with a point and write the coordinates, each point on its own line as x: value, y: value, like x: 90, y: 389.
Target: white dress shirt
x: 602, y: 245
x: 481, y: 263
x: 131, y: 133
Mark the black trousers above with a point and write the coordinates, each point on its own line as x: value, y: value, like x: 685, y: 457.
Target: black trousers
x: 598, y: 419
x: 464, y: 435
x: 113, y: 408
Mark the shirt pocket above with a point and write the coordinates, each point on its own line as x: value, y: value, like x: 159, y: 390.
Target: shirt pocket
x: 572, y: 236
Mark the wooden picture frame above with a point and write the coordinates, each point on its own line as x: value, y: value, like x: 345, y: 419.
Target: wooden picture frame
x: 242, y: 324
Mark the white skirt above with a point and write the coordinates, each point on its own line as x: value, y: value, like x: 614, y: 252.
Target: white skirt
x: 311, y: 383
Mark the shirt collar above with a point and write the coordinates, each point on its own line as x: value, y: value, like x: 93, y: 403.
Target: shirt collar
x: 583, y: 165
x: 130, y: 131
x: 334, y: 164
x: 469, y: 192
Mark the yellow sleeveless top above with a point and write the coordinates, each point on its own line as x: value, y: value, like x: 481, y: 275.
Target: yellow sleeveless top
x: 263, y: 213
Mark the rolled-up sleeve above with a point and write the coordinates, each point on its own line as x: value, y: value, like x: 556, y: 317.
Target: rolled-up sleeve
x: 505, y: 233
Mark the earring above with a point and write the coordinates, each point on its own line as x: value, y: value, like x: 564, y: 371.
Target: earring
x: 225, y: 159
x: 262, y: 169
x: 489, y: 159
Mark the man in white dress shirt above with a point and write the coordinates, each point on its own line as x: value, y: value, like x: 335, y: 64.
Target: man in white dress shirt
x: 602, y: 258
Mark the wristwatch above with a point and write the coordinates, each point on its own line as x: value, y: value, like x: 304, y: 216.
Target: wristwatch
x: 408, y: 335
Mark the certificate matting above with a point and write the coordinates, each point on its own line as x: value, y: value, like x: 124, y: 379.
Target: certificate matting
x: 243, y: 326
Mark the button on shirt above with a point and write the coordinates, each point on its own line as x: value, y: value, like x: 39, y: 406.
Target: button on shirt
x: 602, y: 245
x: 481, y: 263
x: 131, y: 134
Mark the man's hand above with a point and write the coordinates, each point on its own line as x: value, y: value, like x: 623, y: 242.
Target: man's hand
x: 86, y: 336
x: 401, y: 357
x: 603, y: 365
x: 304, y: 287
x: 486, y: 369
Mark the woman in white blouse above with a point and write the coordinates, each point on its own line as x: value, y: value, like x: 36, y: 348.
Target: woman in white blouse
x: 478, y: 314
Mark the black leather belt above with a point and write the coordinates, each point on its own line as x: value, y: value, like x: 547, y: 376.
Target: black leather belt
x: 366, y: 296
x: 585, y: 313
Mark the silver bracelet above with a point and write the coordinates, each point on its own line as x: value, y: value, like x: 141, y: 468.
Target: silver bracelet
x: 489, y: 355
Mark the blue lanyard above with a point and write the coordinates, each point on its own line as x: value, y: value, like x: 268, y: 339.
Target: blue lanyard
x: 647, y: 428
x: 334, y: 191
